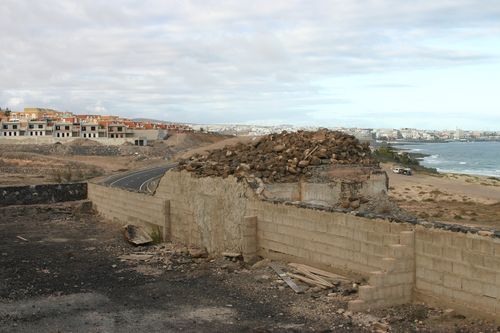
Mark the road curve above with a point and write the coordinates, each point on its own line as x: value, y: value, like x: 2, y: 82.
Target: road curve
x: 139, y: 180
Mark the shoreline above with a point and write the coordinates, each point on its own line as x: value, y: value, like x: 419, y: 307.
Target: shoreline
x: 418, y: 156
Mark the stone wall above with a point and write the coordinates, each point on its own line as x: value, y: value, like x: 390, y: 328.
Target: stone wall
x: 401, y: 261
x: 42, y: 194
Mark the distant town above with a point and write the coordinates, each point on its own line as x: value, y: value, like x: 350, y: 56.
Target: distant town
x: 43, y: 122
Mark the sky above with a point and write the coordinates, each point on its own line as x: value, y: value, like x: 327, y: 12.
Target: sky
x: 430, y: 64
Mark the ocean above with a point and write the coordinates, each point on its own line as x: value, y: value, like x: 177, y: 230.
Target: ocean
x: 473, y: 158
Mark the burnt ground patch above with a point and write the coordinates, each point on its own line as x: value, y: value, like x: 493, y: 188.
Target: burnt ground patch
x: 59, y: 271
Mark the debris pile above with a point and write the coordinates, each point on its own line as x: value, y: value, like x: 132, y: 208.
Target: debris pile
x: 282, y: 158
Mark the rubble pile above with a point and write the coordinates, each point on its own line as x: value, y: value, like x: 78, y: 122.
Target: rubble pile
x: 282, y: 158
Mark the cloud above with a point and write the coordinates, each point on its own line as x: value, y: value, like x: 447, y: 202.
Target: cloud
x: 228, y: 61
x: 14, y: 102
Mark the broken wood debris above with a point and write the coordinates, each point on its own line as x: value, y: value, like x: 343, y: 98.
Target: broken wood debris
x: 22, y: 238
x: 286, y: 278
x: 309, y: 281
x: 319, y: 273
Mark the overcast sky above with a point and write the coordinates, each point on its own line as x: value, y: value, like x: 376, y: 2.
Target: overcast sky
x: 374, y: 63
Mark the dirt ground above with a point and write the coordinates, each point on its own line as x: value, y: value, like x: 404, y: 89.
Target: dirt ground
x: 463, y: 199
x: 62, y: 270
x: 30, y: 164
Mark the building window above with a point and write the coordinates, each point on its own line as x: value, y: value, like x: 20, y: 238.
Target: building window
x: 31, y: 126
x: 92, y: 128
x: 40, y: 126
x: 58, y: 128
x: 84, y: 128
x: 66, y: 128
x: 14, y: 126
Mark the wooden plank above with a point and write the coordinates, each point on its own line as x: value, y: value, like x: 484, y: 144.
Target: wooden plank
x: 315, y: 277
x: 306, y: 280
x: 286, y: 278
x: 320, y: 272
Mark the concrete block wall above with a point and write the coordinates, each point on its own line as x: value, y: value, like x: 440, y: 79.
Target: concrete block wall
x: 341, y: 241
x: 458, y: 270
x: 401, y: 261
x: 128, y: 207
x: 394, y: 283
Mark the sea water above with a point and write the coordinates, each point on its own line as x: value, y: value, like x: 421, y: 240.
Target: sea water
x: 473, y: 158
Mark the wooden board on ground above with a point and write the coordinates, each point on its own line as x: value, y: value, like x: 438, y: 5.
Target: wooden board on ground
x: 317, y: 278
x: 318, y: 271
x: 286, y: 278
x: 306, y: 280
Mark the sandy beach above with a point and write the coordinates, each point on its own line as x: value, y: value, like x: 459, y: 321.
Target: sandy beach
x: 457, y: 198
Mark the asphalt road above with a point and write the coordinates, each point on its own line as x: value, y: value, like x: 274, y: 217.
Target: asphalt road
x: 140, y: 180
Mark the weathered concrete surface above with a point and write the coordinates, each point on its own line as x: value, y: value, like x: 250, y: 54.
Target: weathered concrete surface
x: 42, y: 194
x: 206, y: 211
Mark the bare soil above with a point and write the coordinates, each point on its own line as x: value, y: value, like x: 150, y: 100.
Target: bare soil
x: 81, y: 159
x: 60, y: 271
x: 453, y: 198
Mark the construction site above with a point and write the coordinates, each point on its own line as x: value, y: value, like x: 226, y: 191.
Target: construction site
x: 289, y: 232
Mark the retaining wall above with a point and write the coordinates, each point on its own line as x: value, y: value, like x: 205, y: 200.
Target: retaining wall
x: 42, y: 194
x: 128, y: 207
x: 459, y: 270
x: 401, y: 261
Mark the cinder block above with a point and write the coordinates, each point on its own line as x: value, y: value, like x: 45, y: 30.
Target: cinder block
x: 357, y: 305
x: 442, y: 265
x: 367, y: 293
x: 399, y: 278
x: 424, y: 261
x: 407, y: 238
x: 432, y: 249
x: 475, y: 259
x: 491, y: 290
x: 398, y: 251
x: 492, y: 262
x: 377, y: 278
x: 485, y: 275
x: 388, y: 263
x: 452, y: 281
x: 472, y: 286
x: 423, y: 285
x: 458, y: 240
x: 374, y: 237
x: 452, y: 253
x: 391, y: 239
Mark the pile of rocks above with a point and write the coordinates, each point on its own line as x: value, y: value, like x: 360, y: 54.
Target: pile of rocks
x: 284, y: 157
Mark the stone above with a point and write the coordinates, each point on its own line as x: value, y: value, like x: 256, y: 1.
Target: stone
x: 355, y: 204
x: 303, y: 163
x: 198, y: 253
x: 261, y: 264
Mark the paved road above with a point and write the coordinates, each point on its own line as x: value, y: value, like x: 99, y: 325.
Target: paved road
x: 140, y: 180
